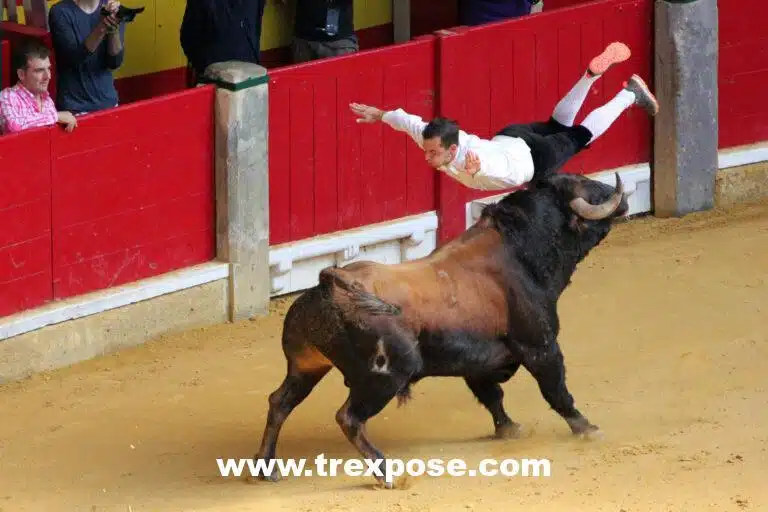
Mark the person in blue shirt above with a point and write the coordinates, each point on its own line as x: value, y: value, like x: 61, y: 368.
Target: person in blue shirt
x: 88, y: 48
x: 479, y: 12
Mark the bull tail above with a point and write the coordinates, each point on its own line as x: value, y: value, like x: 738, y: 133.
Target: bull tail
x: 351, y: 297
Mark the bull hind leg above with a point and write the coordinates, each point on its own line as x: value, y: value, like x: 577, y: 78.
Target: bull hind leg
x: 304, y: 372
x: 547, y: 366
x: 489, y: 393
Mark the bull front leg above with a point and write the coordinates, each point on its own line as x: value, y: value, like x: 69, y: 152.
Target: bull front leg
x: 546, y: 364
x: 366, y: 399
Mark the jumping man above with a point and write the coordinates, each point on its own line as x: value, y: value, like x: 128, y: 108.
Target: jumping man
x: 518, y: 151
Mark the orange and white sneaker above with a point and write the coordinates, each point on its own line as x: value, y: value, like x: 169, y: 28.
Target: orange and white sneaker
x: 614, y: 53
x: 643, y: 96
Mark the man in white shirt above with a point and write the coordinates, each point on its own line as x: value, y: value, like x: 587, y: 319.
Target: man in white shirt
x: 520, y: 151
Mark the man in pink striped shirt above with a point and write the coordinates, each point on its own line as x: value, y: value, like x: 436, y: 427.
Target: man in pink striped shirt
x: 28, y: 103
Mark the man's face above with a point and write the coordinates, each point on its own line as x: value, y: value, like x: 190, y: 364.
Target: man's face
x: 436, y: 155
x: 37, y: 75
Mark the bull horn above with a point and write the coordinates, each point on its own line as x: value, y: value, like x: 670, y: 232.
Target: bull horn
x: 599, y: 211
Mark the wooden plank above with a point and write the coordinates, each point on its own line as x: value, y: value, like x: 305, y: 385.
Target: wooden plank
x: 326, y: 157
x: 302, y: 168
x: 394, y: 185
x: 279, y: 160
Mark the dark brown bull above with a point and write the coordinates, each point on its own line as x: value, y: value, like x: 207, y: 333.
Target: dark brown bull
x: 476, y: 308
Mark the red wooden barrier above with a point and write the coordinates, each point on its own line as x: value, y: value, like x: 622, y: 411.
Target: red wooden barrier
x: 133, y: 192
x: 516, y: 71
x: 329, y: 173
x: 25, y: 217
x: 743, y: 73
x: 5, y: 64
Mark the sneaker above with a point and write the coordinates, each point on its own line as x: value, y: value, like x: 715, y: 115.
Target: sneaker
x: 643, y: 96
x: 614, y: 53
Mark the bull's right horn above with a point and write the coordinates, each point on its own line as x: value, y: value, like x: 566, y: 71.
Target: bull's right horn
x: 599, y: 211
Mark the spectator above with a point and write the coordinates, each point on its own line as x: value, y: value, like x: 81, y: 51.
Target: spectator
x: 28, y: 103
x: 323, y: 28
x: 89, y: 47
x: 221, y: 30
x: 478, y: 12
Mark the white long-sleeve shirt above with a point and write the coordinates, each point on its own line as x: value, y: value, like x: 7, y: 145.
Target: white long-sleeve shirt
x: 505, y: 162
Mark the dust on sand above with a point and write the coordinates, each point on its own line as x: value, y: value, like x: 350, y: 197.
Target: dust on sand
x: 664, y: 334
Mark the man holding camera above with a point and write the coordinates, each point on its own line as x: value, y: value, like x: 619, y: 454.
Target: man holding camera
x: 88, y: 42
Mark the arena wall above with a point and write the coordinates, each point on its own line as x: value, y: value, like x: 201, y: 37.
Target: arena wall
x: 82, y: 273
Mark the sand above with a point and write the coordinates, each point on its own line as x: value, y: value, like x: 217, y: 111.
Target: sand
x: 664, y: 335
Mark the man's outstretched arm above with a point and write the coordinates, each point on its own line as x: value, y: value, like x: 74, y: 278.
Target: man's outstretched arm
x: 398, y: 119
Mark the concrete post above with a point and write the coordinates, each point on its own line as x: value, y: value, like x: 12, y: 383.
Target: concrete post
x: 686, y: 128
x: 242, y: 183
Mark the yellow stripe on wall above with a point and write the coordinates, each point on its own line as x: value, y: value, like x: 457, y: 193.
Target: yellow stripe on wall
x: 152, y: 40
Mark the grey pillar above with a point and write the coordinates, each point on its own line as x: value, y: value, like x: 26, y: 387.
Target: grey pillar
x: 686, y: 128
x: 242, y: 183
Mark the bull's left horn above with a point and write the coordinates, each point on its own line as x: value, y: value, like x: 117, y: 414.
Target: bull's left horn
x: 599, y: 211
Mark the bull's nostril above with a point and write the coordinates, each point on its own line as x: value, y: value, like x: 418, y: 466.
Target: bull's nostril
x: 380, y: 361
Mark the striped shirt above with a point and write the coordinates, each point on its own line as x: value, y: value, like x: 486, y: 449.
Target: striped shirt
x: 20, y: 110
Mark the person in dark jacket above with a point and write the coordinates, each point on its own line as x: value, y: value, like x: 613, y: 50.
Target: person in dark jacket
x: 323, y: 28
x: 478, y: 12
x: 221, y: 30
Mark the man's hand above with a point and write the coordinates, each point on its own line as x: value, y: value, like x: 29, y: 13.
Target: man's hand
x: 112, y: 6
x: 472, y: 163
x: 68, y: 120
x: 367, y: 114
x: 111, y: 23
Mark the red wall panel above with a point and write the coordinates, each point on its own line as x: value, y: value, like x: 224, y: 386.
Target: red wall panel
x: 529, y: 64
x: 133, y: 192
x: 743, y: 73
x: 25, y: 217
x: 327, y: 172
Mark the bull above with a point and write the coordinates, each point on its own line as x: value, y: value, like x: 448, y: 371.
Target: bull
x: 478, y: 307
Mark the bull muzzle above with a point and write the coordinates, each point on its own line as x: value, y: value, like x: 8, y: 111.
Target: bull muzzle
x: 604, y: 210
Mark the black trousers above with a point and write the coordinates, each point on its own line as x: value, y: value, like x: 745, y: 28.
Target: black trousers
x: 552, y: 144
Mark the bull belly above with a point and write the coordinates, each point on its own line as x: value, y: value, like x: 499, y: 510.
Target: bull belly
x: 463, y: 354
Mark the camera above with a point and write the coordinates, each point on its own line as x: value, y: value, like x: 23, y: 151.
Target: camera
x: 126, y: 14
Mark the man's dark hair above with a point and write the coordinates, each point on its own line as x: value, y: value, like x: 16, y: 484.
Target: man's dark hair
x: 446, y: 129
x: 28, y: 48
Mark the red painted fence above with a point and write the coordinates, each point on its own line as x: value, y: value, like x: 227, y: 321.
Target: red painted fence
x: 327, y: 172
x: 528, y: 64
x: 25, y: 217
x: 128, y: 195
x: 743, y: 73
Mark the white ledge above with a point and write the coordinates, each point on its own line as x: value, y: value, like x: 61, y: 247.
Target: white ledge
x: 112, y: 298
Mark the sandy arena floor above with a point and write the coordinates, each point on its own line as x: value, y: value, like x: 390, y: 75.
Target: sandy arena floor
x: 666, y: 345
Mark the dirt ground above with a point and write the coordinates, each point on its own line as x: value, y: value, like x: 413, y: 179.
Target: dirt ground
x: 664, y: 334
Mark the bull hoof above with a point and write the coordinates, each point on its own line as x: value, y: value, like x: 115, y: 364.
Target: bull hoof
x: 509, y: 431
x: 260, y: 464
x: 402, y: 482
x: 591, y: 434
